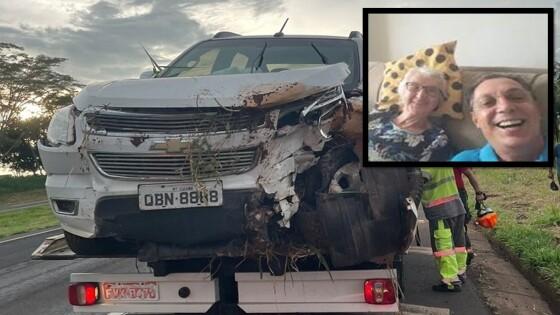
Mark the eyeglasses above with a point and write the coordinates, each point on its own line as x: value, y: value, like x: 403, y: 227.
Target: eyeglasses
x: 431, y: 91
x: 515, y: 96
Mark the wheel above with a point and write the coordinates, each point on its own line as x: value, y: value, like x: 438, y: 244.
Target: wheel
x: 97, y: 246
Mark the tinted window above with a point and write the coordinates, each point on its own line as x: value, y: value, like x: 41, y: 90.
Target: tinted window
x: 236, y: 56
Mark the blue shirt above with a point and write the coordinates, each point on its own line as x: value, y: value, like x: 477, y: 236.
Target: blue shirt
x: 487, y: 154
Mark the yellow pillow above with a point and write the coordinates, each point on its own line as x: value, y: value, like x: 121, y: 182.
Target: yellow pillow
x: 439, y: 57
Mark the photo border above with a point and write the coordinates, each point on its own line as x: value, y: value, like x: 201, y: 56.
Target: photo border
x: 551, y: 120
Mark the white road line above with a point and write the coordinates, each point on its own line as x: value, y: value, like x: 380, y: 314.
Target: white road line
x: 29, y: 235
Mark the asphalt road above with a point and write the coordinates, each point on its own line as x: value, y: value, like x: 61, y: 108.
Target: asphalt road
x: 39, y: 286
x: 420, y: 274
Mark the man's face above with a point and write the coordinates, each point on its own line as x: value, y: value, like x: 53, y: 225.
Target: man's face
x: 421, y: 95
x: 506, y: 113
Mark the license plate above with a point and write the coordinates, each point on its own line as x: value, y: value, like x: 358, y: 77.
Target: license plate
x: 172, y: 196
x: 130, y: 291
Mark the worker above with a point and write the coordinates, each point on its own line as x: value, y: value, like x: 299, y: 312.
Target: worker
x: 479, y: 196
x: 446, y: 216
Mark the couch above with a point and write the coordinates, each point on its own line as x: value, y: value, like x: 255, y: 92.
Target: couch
x: 462, y: 133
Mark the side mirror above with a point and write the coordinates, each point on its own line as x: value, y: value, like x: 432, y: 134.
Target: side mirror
x: 148, y: 74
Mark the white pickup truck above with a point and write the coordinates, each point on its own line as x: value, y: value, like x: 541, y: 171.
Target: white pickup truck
x: 230, y: 158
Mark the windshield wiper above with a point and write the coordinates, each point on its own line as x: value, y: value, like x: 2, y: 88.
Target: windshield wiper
x: 323, y: 58
x: 259, y: 59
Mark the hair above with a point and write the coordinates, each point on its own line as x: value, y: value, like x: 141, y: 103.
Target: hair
x: 471, y: 90
x: 429, y: 73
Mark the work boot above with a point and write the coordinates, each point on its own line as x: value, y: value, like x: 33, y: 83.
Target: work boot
x: 444, y: 287
x: 462, y: 277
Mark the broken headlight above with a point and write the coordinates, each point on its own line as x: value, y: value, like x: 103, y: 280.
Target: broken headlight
x: 312, y: 110
x: 323, y: 106
x: 61, y: 129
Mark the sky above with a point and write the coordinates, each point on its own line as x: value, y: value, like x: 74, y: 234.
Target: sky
x: 102, y: 39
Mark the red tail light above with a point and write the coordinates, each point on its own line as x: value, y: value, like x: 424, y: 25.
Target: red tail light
x: 86, y: 293
x: 379, y: 291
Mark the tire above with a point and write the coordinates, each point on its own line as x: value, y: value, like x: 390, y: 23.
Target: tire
x: 97, y: 246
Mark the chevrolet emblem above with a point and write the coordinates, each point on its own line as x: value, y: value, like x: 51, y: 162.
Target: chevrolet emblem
x: 172, y: 145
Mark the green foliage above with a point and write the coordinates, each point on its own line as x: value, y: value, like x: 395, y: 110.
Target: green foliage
x: 11, y: 184
x: 550, y: 217
x: 18, y: 143
x: 536, y: 248
x: 22, y: 221
x: 28, y: 80
x: 529, y: 216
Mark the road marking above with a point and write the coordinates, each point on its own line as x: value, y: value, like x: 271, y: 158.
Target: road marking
x: 29, y: 235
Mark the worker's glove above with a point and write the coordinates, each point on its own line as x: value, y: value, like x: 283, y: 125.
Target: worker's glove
x: 486, y: 217
x: 480, y: 196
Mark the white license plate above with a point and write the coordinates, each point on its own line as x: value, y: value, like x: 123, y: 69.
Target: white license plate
x: 130, y: 291
x: 172, y: 196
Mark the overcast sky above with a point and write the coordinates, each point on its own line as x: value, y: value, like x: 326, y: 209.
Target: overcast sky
x: 101, y: 39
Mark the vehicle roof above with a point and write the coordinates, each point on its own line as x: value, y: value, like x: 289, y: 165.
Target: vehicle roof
x: 280, y: 37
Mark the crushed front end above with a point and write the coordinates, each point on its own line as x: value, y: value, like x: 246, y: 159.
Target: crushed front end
x: 237, y: 165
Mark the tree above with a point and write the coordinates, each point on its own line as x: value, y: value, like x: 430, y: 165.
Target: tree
x: 27, y: 80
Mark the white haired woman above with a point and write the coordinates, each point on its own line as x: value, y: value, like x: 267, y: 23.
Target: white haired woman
x: 407, y: 134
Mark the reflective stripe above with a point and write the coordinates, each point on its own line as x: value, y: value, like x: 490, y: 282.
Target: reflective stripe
x: 441, y: 185
x: 440, y: 201
x: 461, y: 249
x: 449, y: 281
x: 444, y: 253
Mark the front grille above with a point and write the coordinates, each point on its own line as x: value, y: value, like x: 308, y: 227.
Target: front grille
x: 197, y: 165
x: 189, y: 120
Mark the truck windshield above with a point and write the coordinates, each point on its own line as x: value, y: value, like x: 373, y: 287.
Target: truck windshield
x: 251, y: 55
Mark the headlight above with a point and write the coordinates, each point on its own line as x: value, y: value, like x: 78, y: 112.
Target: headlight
x: 61, y: 128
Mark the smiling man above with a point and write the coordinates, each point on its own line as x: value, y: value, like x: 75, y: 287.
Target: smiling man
x: 507, y: 114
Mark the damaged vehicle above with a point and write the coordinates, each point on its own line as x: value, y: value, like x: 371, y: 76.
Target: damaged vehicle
x: 233, y: 150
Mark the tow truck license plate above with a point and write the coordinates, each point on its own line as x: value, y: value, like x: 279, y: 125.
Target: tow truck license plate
x: 130, y: 291
x: 172, y: 196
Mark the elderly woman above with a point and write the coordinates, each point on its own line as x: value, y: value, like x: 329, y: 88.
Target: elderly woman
x: 408, y: 134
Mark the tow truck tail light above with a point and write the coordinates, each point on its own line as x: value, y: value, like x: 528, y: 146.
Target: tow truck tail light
x: 379, y: 291
x: 84, y: 293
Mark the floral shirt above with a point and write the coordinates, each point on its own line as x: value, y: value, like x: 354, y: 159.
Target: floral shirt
x: 389, y: 142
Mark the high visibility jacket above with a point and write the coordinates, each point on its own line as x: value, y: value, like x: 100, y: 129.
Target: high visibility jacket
x: 441, y: 187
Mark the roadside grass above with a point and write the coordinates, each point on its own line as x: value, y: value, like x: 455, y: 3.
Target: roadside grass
x: 21, y: 189
x: 529, y: 217
x: 27, y: 220
x: 9, y: 200
x: 11, y: 184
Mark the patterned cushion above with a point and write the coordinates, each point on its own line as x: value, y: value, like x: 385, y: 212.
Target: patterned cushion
x: 438, y: 57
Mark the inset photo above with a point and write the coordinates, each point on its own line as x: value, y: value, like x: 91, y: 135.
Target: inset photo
x: 455, y: 87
